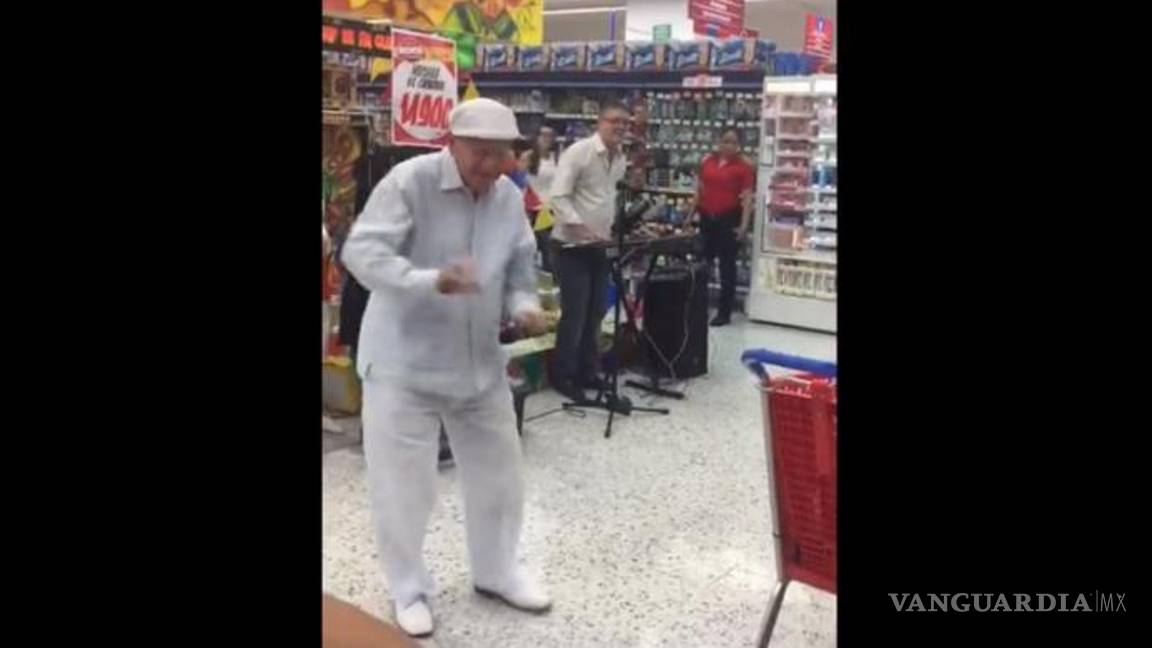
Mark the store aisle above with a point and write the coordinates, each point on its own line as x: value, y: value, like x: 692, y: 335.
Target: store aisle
x: 658, y: 536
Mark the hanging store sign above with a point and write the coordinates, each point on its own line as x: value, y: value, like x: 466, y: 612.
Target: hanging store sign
x: 354, y: 36
x: 716, y: 31
x: 818, y: 37
x: 424, y: 88
x: 510, y: 21
x: 717, y: 17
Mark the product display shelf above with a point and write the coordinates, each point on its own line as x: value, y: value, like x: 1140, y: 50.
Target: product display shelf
x: 672, y: 127
x: 624, y: 80
x: 794, y: 260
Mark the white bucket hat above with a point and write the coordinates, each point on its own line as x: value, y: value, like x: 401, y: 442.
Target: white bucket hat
x: 483, y: 118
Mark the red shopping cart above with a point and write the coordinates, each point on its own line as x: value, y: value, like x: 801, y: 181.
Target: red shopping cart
x: 800, y: 442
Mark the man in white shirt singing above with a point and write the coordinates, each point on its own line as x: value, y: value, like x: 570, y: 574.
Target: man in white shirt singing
x: 445, y: 248
x: 584, y: 207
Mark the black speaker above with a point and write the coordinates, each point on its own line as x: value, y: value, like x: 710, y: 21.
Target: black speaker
x: 675, y: 306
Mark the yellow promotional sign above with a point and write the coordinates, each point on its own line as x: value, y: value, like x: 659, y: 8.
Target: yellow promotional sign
x: 509, y: 21
x: 380, y: 66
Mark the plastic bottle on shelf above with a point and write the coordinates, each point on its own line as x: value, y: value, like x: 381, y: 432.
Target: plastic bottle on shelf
x: 720, y: 108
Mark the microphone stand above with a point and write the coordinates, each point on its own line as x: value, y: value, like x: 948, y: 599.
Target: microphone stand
x: 610, y: 399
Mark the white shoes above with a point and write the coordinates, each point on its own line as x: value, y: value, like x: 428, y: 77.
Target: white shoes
x: 416, y: 619
x: 524, y: 594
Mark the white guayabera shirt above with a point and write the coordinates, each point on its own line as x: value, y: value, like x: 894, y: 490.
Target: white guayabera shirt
x: 584, y: 188
x: 421, y: 218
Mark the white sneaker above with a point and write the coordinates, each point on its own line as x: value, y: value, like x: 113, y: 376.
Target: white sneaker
x: 416, y: 619
x: 525, y: 594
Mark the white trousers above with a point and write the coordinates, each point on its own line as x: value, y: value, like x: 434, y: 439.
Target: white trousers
x: 401, y: 446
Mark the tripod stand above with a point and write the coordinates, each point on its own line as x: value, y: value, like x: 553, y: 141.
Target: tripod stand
x: 610, y: 399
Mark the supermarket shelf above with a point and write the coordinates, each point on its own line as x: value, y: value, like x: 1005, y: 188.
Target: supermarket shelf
x: 335, y: 117
x: 684, y: 146
x: 786, y: 137
x: 673, y: 191
x: 638, y: 80
x: 777, y: 308
x: 713, y: 123
x: 349, y: 113
x: 580, y: 116
x: 826, y: 163
x: 791, y: 209
x: 821, y: 256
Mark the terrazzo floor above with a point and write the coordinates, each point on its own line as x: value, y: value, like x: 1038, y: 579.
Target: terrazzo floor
x: 658, y: 536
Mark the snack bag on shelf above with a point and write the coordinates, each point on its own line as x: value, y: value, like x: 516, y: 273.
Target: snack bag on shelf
x: 532, y: 57
x: 498, y: 57
x: 644, y: 56
x: 568, y: 56
x: 606, y: 55
x: 689, y: 55
x: 733, y: 54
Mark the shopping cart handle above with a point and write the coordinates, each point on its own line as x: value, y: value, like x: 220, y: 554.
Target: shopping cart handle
x: 755, y: 359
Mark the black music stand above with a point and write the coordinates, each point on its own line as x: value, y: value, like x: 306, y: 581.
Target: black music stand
x: 610, y: 399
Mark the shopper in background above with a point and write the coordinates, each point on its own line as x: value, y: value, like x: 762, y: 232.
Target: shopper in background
x: 724, y: 210
x: 515, y: 168
x: 445, y: 249
x: 583, y: 195
x: 540, y: 163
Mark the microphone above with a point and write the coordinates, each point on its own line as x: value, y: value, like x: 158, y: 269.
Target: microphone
x: 629, y: 218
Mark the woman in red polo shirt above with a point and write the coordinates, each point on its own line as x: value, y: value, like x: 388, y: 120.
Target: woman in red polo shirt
x: 724, y: 209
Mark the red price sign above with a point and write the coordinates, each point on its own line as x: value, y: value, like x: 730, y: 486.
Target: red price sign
x: 424, y: 89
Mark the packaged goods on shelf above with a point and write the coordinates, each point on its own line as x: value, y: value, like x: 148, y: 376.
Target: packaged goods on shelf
x: 803, y: 278
x: 741, y: 53
x: 689, y: 55
x: 497, y: 57
x: 532, y: 57
x: 568, y: 56
x: 644, y: 56
x: 783, y: 236
x: 338, y: 87
x: 606, y: 56
x: 792, y: 64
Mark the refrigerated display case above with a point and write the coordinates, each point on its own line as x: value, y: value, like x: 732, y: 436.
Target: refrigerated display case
x: 794, y: 265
